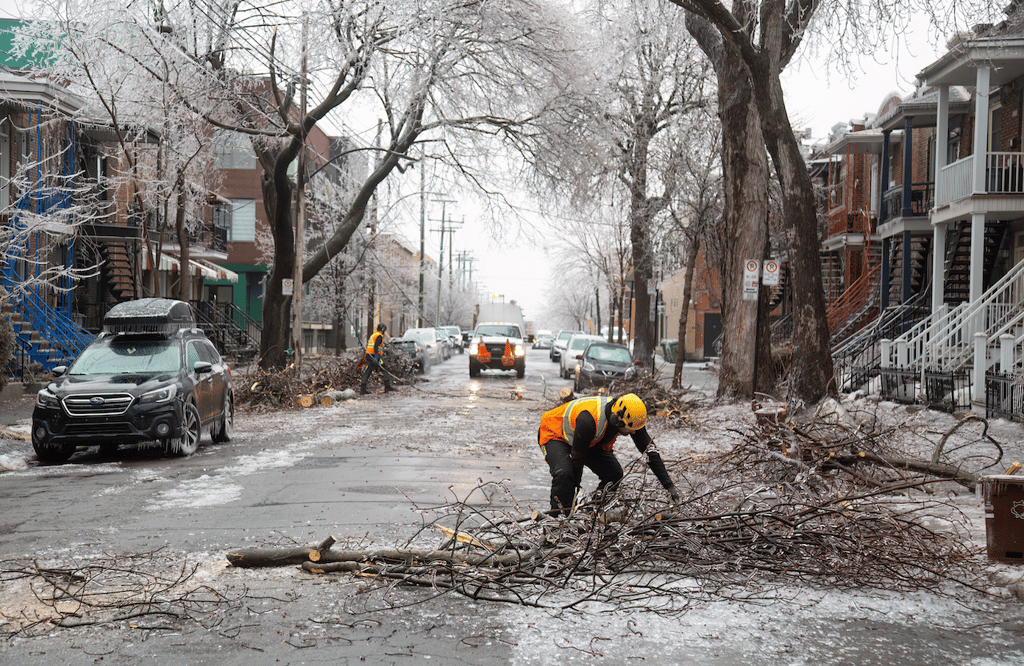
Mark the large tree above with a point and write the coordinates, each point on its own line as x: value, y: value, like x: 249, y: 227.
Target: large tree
x: 761, y: 37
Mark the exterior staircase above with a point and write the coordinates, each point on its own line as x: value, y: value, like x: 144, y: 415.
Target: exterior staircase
x: 44, y: 337
x: 233, y: 332
x: 920, y: 247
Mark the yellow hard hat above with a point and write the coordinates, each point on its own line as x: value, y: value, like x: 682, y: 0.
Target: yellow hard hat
x: 631, y: 410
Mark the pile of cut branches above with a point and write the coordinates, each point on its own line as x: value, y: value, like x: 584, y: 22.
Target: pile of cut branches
x: 148, y: 590
x: 320, y: 380
x: 756, y: 520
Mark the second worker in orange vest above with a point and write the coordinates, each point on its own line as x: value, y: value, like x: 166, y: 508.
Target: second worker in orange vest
x: 582, y: 433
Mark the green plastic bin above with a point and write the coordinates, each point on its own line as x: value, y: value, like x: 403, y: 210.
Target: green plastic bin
x: 669, y: 349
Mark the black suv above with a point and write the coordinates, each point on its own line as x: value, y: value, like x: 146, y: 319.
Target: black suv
x: 150, y: 375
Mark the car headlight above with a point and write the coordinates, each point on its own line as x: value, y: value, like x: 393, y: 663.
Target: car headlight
x: 473, y: 347
x: 164, y: 394
x: 629, y: 374
x: 519, y: 351
x: 587, y: 366
x: 45, y: 398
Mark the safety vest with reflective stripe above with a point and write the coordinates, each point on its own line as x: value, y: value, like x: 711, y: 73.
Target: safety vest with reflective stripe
x: 371, y: 343
x: 560, y: 422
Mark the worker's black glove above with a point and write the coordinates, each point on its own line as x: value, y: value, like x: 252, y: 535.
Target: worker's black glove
x: 677, y: 499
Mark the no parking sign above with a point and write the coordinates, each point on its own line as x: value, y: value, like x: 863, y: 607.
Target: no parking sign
x: 751, y: 274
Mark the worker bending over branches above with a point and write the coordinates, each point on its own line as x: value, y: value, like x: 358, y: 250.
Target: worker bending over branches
x: 375, y: 360
x: 581, y: 434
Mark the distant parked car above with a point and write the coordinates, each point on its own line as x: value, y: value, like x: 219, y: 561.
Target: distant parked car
x: 558, y: 344
x: 446, y: 343
x: 575, y: 347
x: 433, y: 349
x: 455, y: 335
x: 602, y: 363
x: 151, y: 375
x: 543, y: 340
x: 410, y: 347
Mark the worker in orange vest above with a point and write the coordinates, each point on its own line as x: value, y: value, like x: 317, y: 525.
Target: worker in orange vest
x: 582, y: 433
x: 375, y: 360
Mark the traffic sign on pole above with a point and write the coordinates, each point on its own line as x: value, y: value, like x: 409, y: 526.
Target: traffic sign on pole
x: 751, y: 276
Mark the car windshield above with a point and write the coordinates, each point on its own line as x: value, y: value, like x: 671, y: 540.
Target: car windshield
x: 126, y: 356
x: 499, y: 330
x: 422, y: 335
x: 609, y: 354
x: 579, y: 343
x: 565, y: 335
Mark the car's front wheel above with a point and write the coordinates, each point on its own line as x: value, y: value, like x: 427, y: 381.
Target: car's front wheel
x: 226, y: 426
x: 191, y: 432
x: 51, y: 452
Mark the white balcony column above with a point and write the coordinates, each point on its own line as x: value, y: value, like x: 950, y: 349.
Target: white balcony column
x: 902, y: 354
x: 978, y: 381
x: 1006, y: 352
x: 941, y: 132
x: 885, y: 348
x: 938, y: 265
x: 977, y: 273
x: 981, y: 132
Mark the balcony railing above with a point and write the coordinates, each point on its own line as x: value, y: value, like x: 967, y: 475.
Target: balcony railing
x: 922, y: 199
x: 1004, y: 174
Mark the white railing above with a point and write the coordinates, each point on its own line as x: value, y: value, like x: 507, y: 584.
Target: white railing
x: 955, y: 181
x: 946, y: 340
x: 1004, y: 174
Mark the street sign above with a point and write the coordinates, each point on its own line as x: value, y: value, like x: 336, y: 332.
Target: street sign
x: 751, y: 274
x: 287, y: 288
x: 771, y: 273
x: 652, y: 286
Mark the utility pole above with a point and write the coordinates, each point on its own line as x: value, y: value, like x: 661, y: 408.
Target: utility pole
x: 440, y: 257
x: 423, y: 232
x: 300, y: 212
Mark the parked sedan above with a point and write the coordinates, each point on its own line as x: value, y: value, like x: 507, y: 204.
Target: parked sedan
x: 433, y: 347
x: 573, y: 350
x: 558, y: 344
x: 602, y: 363
x: 151, y: 375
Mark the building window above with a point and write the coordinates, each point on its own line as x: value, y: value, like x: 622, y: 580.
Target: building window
x: 243, y: 221
x: 234, y: 151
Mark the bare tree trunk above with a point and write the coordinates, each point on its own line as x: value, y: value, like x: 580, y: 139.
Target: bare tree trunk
x: 185, y: 281
x: 811, y: 373
x: 277, y: 199
x: 745, y: 233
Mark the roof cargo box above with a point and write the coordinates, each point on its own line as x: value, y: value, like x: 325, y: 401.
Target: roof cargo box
x: 160, y: 316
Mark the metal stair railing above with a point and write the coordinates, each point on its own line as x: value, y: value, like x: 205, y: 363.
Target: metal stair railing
x: 220, y: 320
x: 946, y: 337
x: 992, y: 314
x: 858, y: 359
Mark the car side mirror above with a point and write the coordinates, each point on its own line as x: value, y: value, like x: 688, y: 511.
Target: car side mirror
x: 202, y: 367
x: 59, y: 370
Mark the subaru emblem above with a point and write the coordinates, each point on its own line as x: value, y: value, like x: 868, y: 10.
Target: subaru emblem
x: 98, y: 400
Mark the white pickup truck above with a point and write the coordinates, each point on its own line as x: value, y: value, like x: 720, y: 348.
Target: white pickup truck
x: 497, y: 345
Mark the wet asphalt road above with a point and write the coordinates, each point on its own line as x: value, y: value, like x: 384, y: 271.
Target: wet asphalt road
x: 371, y: 472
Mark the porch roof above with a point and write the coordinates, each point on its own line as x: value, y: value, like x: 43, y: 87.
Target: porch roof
x: 924, y: 109
x: 958, y: 67
x: 198, y: 267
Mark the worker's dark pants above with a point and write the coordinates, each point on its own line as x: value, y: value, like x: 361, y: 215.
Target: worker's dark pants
x: 371, y: 365
x: 565, y: 479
